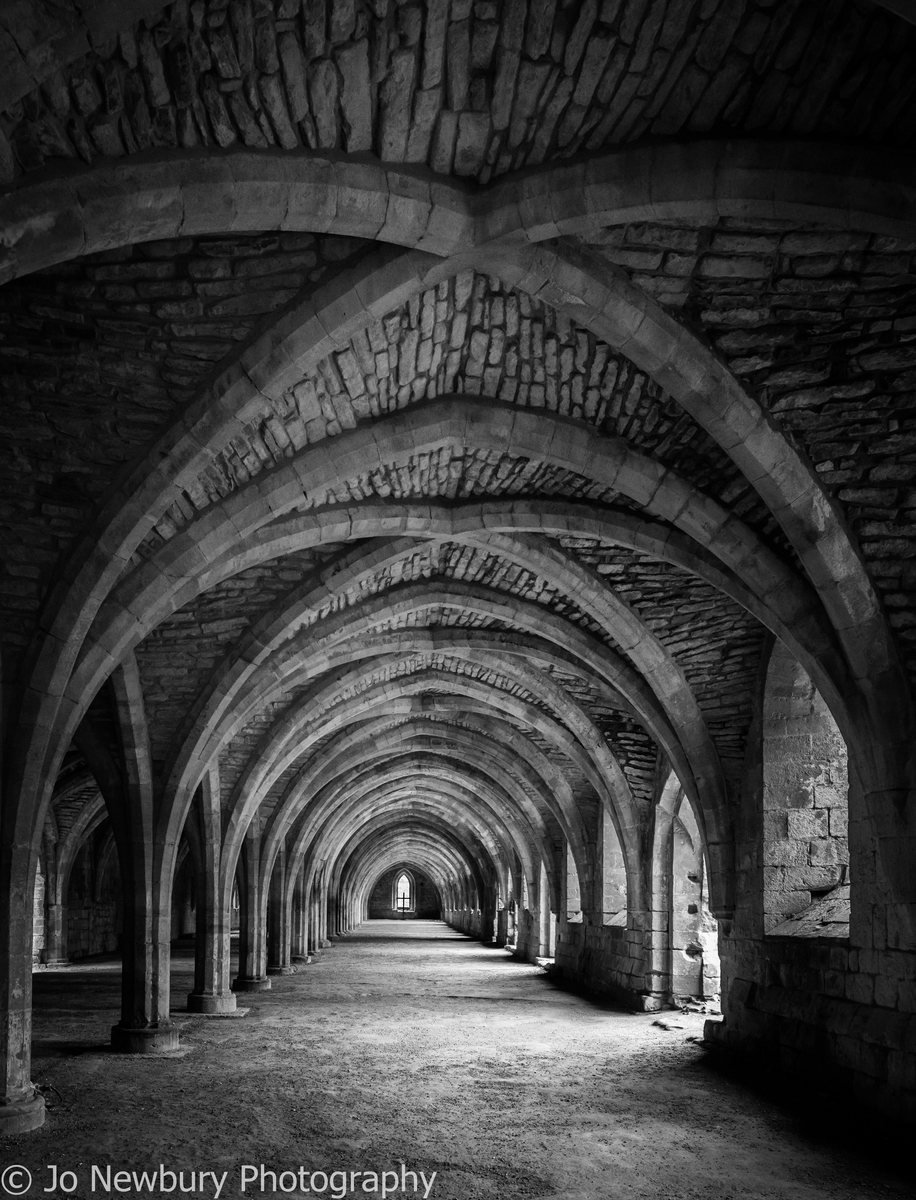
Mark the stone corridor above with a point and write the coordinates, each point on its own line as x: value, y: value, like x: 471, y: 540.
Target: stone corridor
x: 408, y: 1042
x: 458, y: 459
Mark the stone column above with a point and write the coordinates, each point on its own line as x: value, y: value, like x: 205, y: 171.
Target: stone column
x: 212, y: 993
x: 299, y: 932
x: 333, y: 927
x: 278, y: 921
x: 502, y: 927
x: 145, y: 863
x: 321, y: 901
x: 252, y: 976
x: 488, y: 910
x: 144, y: 1027
x: 314, y: 934
x: 54, y: 953
x: 21, y: 1106
x: 542, y: 915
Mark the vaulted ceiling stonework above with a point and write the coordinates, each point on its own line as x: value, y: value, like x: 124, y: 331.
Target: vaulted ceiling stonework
x: 476, y: 437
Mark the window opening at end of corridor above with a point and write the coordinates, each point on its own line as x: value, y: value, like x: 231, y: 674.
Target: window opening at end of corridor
x: 403, y: 898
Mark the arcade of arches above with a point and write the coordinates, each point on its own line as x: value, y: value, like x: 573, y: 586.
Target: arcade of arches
x: 469, y: 443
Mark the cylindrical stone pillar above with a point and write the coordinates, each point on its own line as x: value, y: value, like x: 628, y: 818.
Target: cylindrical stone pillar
x: 21, y: 1107
x: 144, y: 1027
x: 299, y: 935
x: 278, y: 921
x: 54, y: 953
x: 212, y: 992
x: 252, y: 976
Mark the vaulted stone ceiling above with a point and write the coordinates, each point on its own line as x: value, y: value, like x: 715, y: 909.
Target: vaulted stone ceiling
x: 474, y: 89
x: 394, y: 478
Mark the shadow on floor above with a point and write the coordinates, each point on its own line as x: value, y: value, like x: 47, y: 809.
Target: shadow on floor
x: 69, y: 1049
x: 826, y: 1118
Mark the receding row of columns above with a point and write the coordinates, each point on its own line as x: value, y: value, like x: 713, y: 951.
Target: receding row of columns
x: 291, y: 908
x: 283, y: 925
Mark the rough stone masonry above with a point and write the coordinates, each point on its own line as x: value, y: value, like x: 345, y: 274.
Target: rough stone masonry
x: 472, y: 440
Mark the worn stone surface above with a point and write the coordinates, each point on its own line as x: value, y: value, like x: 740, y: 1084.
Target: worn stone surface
x: 121, y: 340
x: 553, y: 87
x: 817, y: 323
x: 424, y: 994
x: 524, y: 531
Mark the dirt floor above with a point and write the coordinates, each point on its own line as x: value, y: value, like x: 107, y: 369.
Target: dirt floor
x: 408, y: 1045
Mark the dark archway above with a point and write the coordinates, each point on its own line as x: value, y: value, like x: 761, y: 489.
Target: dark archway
x: 424, y: 896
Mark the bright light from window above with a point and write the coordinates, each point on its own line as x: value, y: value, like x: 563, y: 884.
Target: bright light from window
x: 402, y: 893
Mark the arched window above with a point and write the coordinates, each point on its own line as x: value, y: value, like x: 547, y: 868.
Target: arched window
x: 805, y: 785
x: 684, y: 962
x: 403, y: 893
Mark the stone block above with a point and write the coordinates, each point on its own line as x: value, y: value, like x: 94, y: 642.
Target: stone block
x: 807, y: 824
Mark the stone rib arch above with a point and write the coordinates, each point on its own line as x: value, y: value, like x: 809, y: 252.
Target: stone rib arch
x: 372, y: 858
x: 609, y: 769
x: 602, y: 298
x: 481, y: 846
x: 551, y: 635
x: 456, y: 794
x: 445, y: 857
x: 756, y: 339
x: 355, y: 892
x: 356, y: 875
x: 756, y: 579
x: 474, y: 722
x: 701, y: 180
x: 535, y: 683
x: 479, y: 717
x: 620, y: 527
x: 395, y: 863
x: 57, y: 215
x: 91, y: 817
x: 286, y: 741
x: 293, y: 810
x: 862, y: 586
x: 456, y: 423
x: 278, y: 626
x: 489, y: 863
x: 419, y: 739
x: 381, y: 694
x: 162, y: 194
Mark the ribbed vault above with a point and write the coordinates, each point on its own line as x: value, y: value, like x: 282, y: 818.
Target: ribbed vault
x: 424, y: 421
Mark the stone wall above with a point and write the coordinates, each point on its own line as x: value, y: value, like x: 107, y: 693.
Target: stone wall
x: 426, y: 899
x: 805, y: 785
x: 826, y: 1013
x: 819, y: 324
x: 606, y: 959
x: 466, y: 920
x: 473, y: 89
x: 94, y: 912
x: 121, y: 339
x: 837, y: 1012
x: 38, y: 916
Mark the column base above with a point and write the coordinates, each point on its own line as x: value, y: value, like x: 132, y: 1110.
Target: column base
x: 324, y: 944
x: 258, y: 984
x: 301, y: 960
x: 53, y: 962
x: 281, y: 970
x: 153, y: 1039
x: 199, y: 1003
x: 22, y: 1115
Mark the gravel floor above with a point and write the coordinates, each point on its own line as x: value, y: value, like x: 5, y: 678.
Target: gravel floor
x: 410, y: 1046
